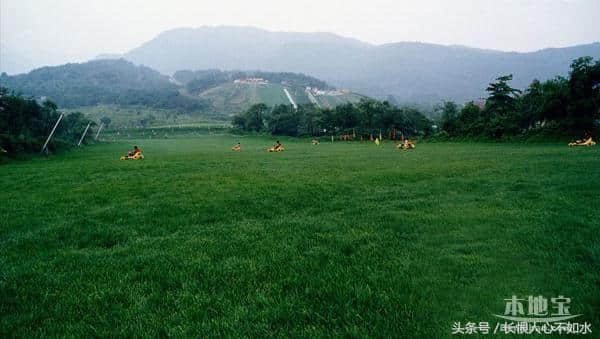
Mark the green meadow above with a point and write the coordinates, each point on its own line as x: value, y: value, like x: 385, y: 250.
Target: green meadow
x: 342, y: 239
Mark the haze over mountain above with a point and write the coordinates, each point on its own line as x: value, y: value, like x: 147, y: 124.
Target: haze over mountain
x: 410, y: 71
x: 13, y: 62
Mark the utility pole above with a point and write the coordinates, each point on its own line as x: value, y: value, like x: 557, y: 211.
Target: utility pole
x: 52, y: 132
x: 99, y: 129
x: 84, y: 133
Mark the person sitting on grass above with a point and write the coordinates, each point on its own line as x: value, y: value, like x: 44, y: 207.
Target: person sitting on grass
x: 588, y: 141
x: 407, y: 144
x: 136, y: 150
x: 277, y: 147
x: 315, y: 142
x: 135, y: 154
x: 237, y: 147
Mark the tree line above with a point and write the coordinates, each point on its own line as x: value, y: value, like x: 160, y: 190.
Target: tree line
x: 563, y: 106
x: 25, y: 124
x: 559, y: 107
x: 363, y: 119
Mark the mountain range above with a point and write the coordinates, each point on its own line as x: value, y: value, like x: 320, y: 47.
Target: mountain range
x: 409, y: 71
x: 403, y: 72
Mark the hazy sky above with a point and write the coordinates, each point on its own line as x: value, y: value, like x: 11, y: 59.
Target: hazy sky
x: 57, y: 31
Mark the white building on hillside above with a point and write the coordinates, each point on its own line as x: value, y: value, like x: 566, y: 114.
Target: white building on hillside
x: 251, y: 81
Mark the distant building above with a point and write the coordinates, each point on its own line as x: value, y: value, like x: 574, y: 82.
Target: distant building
x: 251, y: 81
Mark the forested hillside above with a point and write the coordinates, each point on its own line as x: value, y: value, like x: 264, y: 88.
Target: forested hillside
x: 121, y: 83
x: 198, y: 81
x: 102, y: 82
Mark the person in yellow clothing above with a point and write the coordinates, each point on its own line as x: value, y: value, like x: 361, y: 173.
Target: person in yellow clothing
x: 406, y: 145
x: 136, y: 151
x: 587, y: 141
x: 277, y: 148
x: 136, y: 154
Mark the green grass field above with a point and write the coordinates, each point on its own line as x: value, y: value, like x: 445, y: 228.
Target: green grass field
x: 130, y: 116
x: 235, y: 98
x: 342, y: 239
x: 331, y: 101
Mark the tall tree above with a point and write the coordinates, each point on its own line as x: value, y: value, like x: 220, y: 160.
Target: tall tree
x: 501, y: 107
x: 584, y: 84
x: 255, y: 117
x: 449, y: 121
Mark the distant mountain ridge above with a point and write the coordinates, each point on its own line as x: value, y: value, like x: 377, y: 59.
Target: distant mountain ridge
x: 407, y: 70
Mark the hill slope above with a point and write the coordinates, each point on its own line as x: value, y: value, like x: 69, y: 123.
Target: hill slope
x: 409, y: 71
x: 120, y: 82
x: 102, y: 82
x: 231, y: 92
x: 232, y: 97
